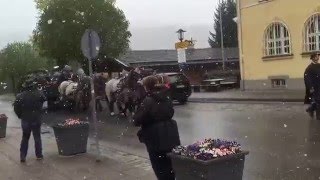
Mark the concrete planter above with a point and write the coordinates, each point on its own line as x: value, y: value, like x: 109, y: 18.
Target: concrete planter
x: 72, y: 140
x: 3, y: 125
x: 228, y: 167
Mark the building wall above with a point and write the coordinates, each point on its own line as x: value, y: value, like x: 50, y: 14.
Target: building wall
x: 257, y: 72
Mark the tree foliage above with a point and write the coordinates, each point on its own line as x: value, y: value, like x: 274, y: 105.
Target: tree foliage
x: 63, y: 22
x: 228, y: 10
x: 17, y: 59
x: 42, y: 4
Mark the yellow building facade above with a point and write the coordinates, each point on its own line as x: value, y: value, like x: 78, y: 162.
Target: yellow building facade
x: 276, y: 38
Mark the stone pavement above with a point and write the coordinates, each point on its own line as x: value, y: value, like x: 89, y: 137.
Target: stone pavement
x: 238, y: 95
x: 115, y: 165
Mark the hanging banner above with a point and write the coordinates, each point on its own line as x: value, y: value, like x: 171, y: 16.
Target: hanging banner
x: 182, y: 58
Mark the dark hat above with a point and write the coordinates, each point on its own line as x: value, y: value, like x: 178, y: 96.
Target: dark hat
x: 29, y: 83
x: 313, y: 55
x: 67, y: 68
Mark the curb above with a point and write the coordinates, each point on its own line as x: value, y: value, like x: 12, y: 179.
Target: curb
x: 212, y: 100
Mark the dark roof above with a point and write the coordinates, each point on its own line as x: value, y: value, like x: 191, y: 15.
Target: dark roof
x: 165, y: 56
x: 103, y: 64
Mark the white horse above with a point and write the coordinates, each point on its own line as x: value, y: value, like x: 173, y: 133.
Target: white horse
x: 66, y: 88
x: 111, y: 88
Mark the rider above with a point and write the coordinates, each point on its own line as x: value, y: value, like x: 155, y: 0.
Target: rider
x: 81, y: 73
x: 65, y: 74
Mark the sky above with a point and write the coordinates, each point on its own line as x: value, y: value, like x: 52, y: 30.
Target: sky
x: 153, y: 23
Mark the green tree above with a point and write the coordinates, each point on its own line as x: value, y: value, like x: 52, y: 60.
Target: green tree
x: 63, y: 22
x: 17, y: 59
x: 228, y: 9
x: 42, y: 4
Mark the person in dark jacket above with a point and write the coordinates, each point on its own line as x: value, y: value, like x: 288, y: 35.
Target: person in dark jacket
x: 156, y: 109
x: 99, y: 89
x: 312, y: 84
x: 28, y: 107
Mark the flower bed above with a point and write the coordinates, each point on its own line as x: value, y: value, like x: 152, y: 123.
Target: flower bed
x: 3, y: 117
x: 208, y: 149
x: 209, y: 159
x: 71, y: 123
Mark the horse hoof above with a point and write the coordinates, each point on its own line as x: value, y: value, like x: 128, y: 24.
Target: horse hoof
x: 112, y: 114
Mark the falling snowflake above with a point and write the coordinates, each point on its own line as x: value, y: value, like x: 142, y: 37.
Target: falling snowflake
x: 305, y: 155
x: 63, y: 21
x: 50, y: 21
x: 285, y: 125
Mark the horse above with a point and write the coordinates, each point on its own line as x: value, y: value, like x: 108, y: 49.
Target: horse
x: 66, y: 88
x: 83, y: 95
x: 77, y: 92
x: 124, y: 92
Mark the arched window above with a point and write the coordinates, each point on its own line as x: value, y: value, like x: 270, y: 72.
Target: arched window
x: 312, y: 34
x: 277, y: 40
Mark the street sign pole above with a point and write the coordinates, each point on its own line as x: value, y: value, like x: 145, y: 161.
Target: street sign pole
x: 90, y: 45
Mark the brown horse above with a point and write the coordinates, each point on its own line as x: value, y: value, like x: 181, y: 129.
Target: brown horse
x: 129, y: 93
x: 83, y: 94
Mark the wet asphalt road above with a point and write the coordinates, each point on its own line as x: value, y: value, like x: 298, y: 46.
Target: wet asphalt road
x: 284, y: 143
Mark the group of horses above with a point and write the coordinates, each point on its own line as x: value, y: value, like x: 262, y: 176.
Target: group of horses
x: 126, y: 92
x: 76, y: 93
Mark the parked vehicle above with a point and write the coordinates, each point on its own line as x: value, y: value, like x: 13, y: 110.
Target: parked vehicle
x: 180, y: 88
x: 41, y: 78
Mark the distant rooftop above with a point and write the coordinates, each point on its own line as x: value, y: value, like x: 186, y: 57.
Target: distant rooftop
x: 166, y: 56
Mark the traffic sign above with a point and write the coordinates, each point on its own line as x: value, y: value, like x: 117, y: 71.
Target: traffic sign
x: 90, y: 44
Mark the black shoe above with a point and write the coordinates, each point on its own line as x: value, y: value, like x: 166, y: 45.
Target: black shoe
x: 39, y: 158
x: 22, y: 160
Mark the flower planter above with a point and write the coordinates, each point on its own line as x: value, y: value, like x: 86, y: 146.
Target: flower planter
x: 211, y: 159
x: 3, y: 125
x: 228, y: 167
x: 72, y: 139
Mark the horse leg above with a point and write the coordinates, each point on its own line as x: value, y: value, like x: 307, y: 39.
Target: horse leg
x: 111, y: 107
x: 110, y: 102
x: 121, y: 109
x: 130, y: 106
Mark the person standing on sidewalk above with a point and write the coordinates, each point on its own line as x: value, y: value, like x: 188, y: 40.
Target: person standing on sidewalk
x: 28, y: 107
x: 158, y: 131
x: 312, y: 84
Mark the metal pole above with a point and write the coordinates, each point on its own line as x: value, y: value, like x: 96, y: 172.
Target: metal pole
x: 241, y: 58
x: 93, y: 109
x: 221, y: 35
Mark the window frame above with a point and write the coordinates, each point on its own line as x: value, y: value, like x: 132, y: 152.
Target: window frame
x: 277, y: 34
x: 282, y: 83
x: 313, y: 20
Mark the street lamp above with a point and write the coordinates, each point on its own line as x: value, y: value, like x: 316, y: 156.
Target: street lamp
x: 181, y: 34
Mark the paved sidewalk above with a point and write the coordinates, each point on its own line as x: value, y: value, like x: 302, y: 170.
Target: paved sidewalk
x: 115, y: 165
x: 238, y: 95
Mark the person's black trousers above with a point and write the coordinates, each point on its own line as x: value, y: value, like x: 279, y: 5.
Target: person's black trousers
x: 99, y: 106
x: 27, y: 129
x: 161, y: 165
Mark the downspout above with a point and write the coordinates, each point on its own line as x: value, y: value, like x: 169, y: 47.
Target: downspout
x: 242, y: 69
